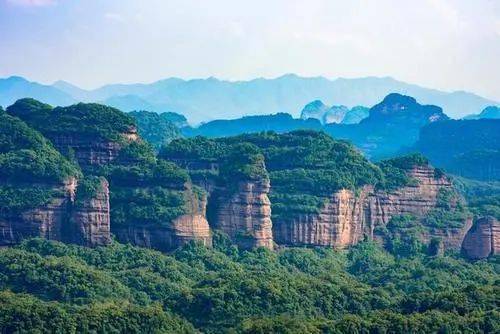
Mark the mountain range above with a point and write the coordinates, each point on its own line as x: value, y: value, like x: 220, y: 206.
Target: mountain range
x: 202, y: 100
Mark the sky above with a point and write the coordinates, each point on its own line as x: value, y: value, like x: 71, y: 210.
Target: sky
x: 444, y: 44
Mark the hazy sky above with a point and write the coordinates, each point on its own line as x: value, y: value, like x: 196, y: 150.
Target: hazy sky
x: 446, y: 44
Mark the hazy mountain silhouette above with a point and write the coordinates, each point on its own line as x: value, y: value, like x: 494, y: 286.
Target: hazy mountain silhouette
x: 202, y: 100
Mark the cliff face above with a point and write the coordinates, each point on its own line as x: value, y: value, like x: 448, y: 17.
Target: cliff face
x: 346, y: 217
x: 45, y: 222
x: 240, y: 209
x: 416, y: 199
x: 246, y: 214
x: 341, y: 222
x: 61, y: 219
x: 90, y: 218
x: 483, y: 239
x: 90, y: 151
x: 192, y: 226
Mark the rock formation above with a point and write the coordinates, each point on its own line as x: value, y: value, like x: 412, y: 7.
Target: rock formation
x: 335, y: 114
x: 90, y: 151
x: 192, y: 226
x: 61, y: 219
x: 346, y: 217
x: 483, y: 239
x: 90, y: 218
x: 245, y: 215
x: 340, y: 223
x: 46, y: 221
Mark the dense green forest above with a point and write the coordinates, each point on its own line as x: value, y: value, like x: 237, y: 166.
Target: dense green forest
x: 468, y: 148
x: 26, y: 158
x: 157, y: 129
x: 89, y: 118
x: 404, y: 285
x: 52, y: 287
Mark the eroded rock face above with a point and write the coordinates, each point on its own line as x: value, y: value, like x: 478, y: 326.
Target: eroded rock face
x: 347, y: 218
x: 90, y: 218
x: 192, y: 226
x: 90, y: 151
x: 184, y: 229
x: 340, y: 223
x: 45, y: 222
x: 61, y: 219
x: 245, y: 215
x: 483, y: 239
x: 416, y: 200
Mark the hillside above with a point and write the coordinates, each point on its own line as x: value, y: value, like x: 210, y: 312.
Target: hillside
x: 202, y: 100
x: 133, y: 290
x: 279, y: 123
x: 391, y: 125
x: 294, y: 232
x: 468, y: 148
x: 491, y: 112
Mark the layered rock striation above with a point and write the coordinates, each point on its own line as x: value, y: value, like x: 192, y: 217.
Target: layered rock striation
x: 90, y: 151
x: 348, y: 217
x: 483, y: 239
x: 245, y: 215
x: 90, y: 219
x: 62, y: 218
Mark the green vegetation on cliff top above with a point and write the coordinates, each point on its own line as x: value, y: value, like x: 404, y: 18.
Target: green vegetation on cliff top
x: 89, y: 119
x: 305, y: 167
x: 29, y: 166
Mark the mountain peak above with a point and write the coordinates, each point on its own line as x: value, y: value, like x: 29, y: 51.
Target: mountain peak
x: 16, y: 78
x: 396, y: 98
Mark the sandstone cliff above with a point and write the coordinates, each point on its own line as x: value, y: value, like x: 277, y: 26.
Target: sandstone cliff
x: 192, y: 226
x: 238, y: 206
x: 46, y: 221
x: 90, y: 217
x: 347, y: 217
x: 483, y: 239
x: 90, y: 151
x: 341, y: 222
x: 60, y: 219
x: 245, y: 215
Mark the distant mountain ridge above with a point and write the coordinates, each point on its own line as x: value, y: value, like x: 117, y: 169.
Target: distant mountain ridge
x: 491, y: 112
x: 334, y: 114
x: 391, y: 125
x: 202, y: 100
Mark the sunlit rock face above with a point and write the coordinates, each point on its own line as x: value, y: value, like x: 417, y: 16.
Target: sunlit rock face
x: 483, y: 239
x: 348, y: 217
x: 245, y: 215
x: 84, y: 222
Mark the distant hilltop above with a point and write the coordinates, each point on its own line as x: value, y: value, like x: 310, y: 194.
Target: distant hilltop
x: 202, y: 100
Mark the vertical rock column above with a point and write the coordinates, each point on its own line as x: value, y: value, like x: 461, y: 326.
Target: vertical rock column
x: 245, y: 215
x: 483, y: 239
x: 90, y: 218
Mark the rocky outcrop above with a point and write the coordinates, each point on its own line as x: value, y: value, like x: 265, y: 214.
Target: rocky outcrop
x: 341, y: 222
x: 347, y: 217
x: 184, y: 229
x: 417, y: 199
x: 239, y: 208
x: 85, y: 223
x: 245, y: 215
x: 90, y: 151
x: 483, y: 239
x: 47, y: 221
x: 192, y: 226
x: 90, y: 218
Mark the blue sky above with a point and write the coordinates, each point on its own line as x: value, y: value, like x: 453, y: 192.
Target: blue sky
x: 445, y: 44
